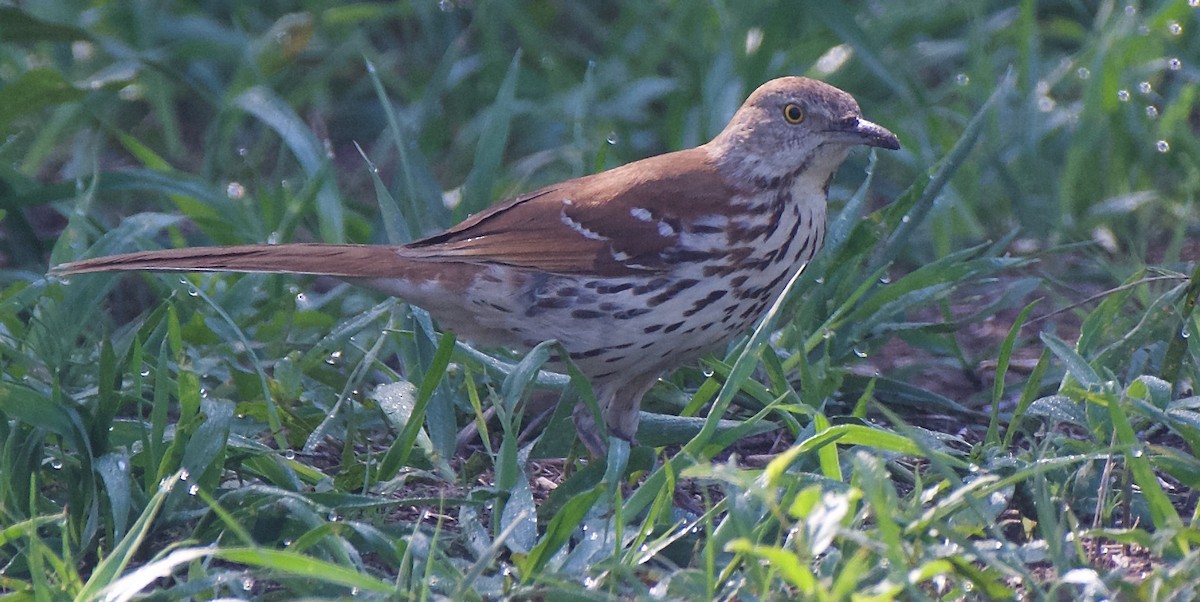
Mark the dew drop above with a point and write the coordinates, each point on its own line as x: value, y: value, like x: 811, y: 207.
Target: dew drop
x: 248, y: 583
x: 612, y: 138
x: 1183, y: 334
x: 1174, y: 28
x: 333, y: 517
x: 1174, y: 64
x: 885, y: 280
x: 241, y: 151
x: 56, y: 463
x: 289, y: 454
x: 1138, y: 452
x: 1083, y: 73
x: 1151, y: 111
x: 193, y: 291
x: 301, y: 299
x: 1123, y: 95
x: 193, y: 489
x: 121, y: 465
x: 754, y: 38
x: 962, y: 79
x: 183, y: 474
x: 906, y: 219
x: 235, y: 191
x: 1194, y: 3
x: 708, y: 373
x: 1145, y: 88
x: 1130, y: 10
x: 820, y: 281
x: 273, y: 238
x: 445, y: 6
x: 145, y: 372
x: 1162, y: 146
x: 859, y: 353
x: 333, y: 358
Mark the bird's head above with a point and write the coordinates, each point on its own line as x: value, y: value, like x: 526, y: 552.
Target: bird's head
x: 794, y: 126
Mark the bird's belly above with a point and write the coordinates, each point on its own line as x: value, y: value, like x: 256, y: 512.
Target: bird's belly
x: 611, y: 325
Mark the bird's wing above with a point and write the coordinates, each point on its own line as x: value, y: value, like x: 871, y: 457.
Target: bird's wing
x: 620, y: 222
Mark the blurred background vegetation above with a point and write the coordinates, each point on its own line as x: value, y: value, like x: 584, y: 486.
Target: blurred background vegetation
x: 142, y: 124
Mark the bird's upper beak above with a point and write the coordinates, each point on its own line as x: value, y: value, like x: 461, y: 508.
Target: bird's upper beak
x: 861, y: 131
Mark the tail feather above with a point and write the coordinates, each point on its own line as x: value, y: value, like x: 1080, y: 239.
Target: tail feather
x: 346, y: 261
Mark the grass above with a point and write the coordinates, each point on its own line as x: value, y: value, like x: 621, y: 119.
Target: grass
x: 983, y: 387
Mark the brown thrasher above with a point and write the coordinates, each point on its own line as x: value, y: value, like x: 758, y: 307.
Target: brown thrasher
x: 635, y: 270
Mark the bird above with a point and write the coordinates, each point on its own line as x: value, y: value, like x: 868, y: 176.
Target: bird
x: 635, y: 271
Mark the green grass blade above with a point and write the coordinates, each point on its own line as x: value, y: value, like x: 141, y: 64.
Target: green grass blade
x: 309, y: 152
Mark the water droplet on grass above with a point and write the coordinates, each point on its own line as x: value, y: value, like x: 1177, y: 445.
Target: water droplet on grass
x: 1145, y: 88
x: 1162, y: 146
x: 1151, y: 111
x: 754, y: 38
x: 1123, y: 95
x: 1174, y: 28
x: 612, y: 138
x: 1174, y: 64
x: 1083, y: 73
x: 962, y: 79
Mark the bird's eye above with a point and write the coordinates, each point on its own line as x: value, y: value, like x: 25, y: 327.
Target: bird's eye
x: 793, y: 113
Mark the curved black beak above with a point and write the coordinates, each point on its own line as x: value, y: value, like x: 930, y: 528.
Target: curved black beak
x: 860, y: 131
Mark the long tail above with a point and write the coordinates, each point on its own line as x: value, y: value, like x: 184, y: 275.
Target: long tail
x: 346, y: 261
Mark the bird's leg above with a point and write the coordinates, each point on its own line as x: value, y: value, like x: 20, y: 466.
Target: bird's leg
x: 586, y: 427
x: 619, y: 403
x: 621, y: 414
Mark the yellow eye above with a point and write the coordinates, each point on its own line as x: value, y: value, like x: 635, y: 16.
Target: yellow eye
x: 793, y: 113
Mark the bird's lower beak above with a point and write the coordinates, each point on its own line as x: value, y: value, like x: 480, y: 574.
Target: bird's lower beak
x: 870, y: 134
